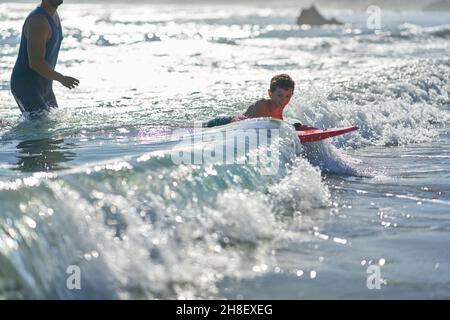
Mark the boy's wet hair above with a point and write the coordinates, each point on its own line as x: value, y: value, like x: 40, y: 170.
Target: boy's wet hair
x: 282, y: 81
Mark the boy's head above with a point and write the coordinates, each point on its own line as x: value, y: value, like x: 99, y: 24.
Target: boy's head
x: 281, y: 90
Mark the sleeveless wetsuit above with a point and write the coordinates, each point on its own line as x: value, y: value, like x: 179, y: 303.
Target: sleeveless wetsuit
x: 32, y: 91
x: 218, y: 121
x: 223, y: 120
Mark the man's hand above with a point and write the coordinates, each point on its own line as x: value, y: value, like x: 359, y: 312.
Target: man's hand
x: 69, y: 82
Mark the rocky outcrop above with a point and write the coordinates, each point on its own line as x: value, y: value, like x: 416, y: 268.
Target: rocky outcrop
x: 312, y: 17
x: 443, y: 5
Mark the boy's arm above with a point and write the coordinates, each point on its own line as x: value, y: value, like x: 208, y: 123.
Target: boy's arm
x: 301, y: 127
x: 253, y: 109
x: 249, y: 111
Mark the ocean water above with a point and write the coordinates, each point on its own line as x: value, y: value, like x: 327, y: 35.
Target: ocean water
x: 94, y: 186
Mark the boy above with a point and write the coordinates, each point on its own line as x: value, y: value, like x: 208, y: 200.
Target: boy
x: 280, y: 93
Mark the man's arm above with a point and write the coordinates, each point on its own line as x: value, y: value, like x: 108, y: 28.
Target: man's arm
x: 37, y: 32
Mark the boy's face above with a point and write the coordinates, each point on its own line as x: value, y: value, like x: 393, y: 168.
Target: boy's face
x: 281, y: 97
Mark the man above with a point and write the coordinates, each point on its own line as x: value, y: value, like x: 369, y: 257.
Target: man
x: 34, y: 71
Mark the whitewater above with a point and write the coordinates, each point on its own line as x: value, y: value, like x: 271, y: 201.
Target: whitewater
x: 95, y: 186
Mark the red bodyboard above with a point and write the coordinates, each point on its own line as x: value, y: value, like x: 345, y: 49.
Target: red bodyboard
x: 312, y: 135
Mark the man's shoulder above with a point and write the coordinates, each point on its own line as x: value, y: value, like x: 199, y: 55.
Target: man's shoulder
x: 37, y: 19
x: 36, y: 23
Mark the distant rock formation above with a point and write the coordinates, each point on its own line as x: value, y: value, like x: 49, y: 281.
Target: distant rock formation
x: 442, y: 5
x: 312, y: 17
